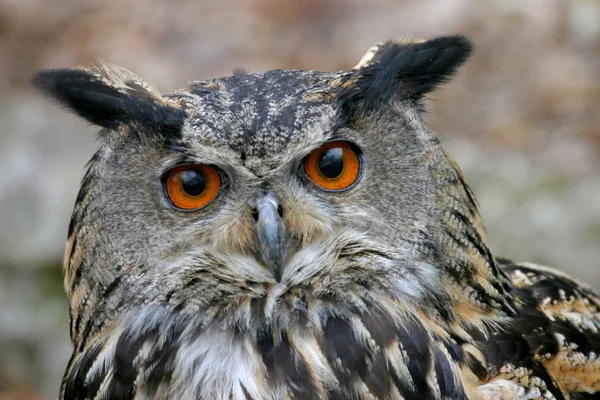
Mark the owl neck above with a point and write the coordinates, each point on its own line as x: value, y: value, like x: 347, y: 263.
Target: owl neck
x: 478, y: 289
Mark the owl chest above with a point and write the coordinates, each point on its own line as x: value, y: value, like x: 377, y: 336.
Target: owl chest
x: 339, y: 355
x: 219, y: 365
x: 223, y: 365
x: 348, y: 358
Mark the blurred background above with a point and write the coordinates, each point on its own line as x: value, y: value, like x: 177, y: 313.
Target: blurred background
x: 522, y: 119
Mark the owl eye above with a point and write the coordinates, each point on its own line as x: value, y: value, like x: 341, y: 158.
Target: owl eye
x: 191, y: 187
x: 333, y: 166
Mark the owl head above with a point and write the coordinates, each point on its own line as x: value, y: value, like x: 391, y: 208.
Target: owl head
x: 255, y: 197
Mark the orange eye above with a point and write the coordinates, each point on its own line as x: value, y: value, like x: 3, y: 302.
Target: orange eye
x: 191, y: 187
x: 333, y: 166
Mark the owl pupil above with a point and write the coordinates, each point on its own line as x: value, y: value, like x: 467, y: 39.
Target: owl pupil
x: 193, y: 182
x: 331, y: 163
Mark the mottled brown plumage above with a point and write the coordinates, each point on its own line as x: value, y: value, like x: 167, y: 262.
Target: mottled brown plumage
x: 551, y: 346
x: 277, y: 288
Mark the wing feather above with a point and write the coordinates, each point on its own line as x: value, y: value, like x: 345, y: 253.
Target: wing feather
x: 554, y: 342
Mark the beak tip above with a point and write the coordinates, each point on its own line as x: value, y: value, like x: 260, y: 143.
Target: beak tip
x: 277, y: 274
x: 270, y: 236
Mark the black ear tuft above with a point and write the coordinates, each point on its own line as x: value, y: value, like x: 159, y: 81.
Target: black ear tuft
x: 85, y: 93
x: 108, y: 96
x: 409, y: 70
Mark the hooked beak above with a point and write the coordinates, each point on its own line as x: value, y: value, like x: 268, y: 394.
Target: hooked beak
x: 270, y: 234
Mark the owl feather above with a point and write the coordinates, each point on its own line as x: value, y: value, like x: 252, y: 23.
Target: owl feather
x: 301, y: 235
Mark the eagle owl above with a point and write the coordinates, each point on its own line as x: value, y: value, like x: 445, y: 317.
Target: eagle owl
x: 300, y: 235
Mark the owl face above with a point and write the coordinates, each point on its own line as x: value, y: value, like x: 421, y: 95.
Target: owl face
x: 262, y: 175
x: 278, y: 235
x: 270, y: 188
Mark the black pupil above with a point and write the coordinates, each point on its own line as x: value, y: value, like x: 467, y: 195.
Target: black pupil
x: 193, y: 182
x: 331, y: 163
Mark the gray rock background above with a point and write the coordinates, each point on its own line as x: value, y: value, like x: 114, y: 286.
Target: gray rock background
x: 521, y: 119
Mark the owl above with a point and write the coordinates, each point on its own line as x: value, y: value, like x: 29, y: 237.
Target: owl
x: 300, y: 235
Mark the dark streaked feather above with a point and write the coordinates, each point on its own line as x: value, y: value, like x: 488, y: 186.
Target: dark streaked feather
x: 94, y: 97
x: 547, y: 304
x: 408, y: 70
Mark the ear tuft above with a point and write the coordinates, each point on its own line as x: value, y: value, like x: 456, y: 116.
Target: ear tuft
x: 106, y: 95
x: 410, y: 69
x: 125, y: 81
x: 83, y: 92
x: 375, y: 51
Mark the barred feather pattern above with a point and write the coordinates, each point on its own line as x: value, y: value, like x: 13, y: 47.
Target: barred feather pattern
x: 172, y: 305
x: 551, y: 348
x: 368, y: 352
x: 360, y: 340
x: 363, y: 356
x: 355, y: 337
x: 350, y: 320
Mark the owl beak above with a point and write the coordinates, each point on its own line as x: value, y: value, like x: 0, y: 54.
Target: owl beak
x: 270, y: 234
